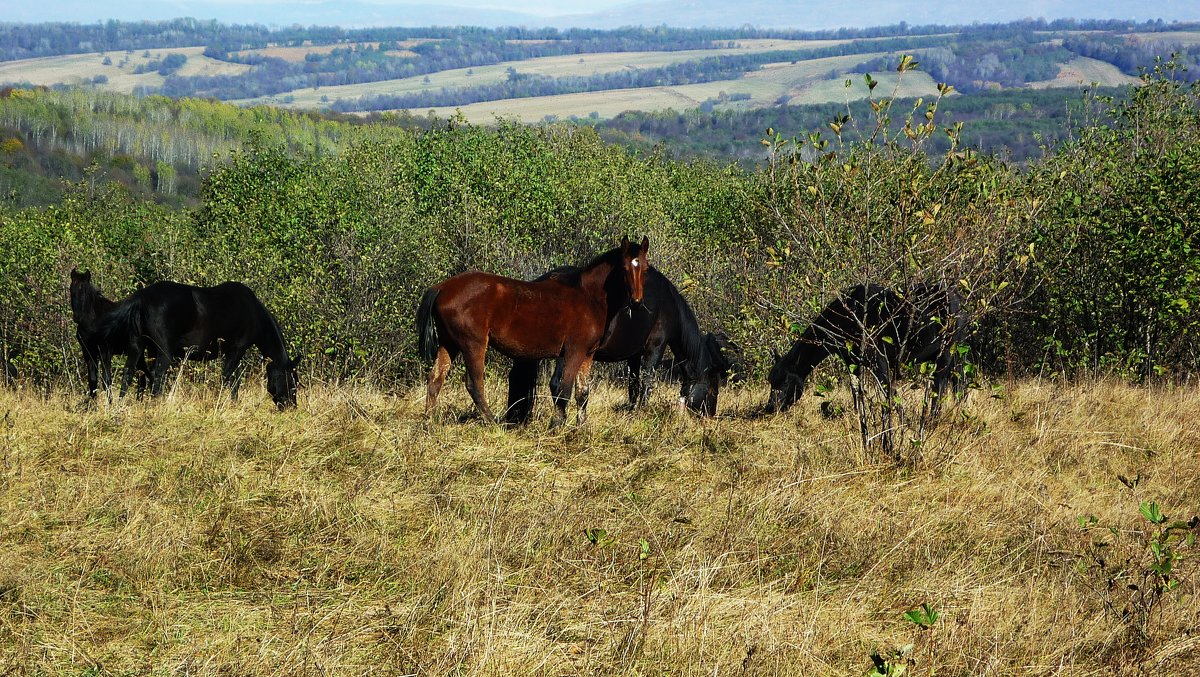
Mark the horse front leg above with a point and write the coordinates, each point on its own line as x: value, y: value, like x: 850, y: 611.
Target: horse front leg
x: 636, y: 396
x: 562, y: 383
x: 557, y: 395
x: 92, y: 363
x: 650, y: 362
x: 522, y: 386
x: 231, y: 375
x: 158, y: 373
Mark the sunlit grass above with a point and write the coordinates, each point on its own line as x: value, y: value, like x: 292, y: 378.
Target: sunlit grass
x: 353, y: 536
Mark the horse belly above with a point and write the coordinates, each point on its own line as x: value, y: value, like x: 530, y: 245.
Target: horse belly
x: 626, y: 337
x: 538, y: 335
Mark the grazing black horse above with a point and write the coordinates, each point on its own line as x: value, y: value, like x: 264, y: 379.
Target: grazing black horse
x: 638, y: 335
x: 876, y: 328
x: 89, y: 308
x: 173, y: 321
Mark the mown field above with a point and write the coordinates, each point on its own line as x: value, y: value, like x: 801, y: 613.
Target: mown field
x: 79, y: 69
x: 800, y: 82
x: 353, y: 536
x: 551, y: 66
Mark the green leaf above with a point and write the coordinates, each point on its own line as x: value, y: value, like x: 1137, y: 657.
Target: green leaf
x: 1152, y: 513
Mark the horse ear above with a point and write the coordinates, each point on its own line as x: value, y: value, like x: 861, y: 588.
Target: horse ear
x: 775, y: 354
x: 645, y: 245
x: 84, y: 276
x: 624, y: 244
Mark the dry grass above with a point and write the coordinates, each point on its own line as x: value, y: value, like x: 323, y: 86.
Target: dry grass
x: 198, y: 536
x: 1083, y: 71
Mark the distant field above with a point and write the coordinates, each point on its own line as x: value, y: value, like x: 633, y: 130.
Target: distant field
x: 82, y: 68
x: 914, y: 84
x: 553, y: 66
x: 1085, y: 71
x: 1185, y: 38
x: 765, y: 87
x: 297, y: 54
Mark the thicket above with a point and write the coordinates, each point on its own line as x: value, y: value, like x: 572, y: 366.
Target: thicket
x: 1085, y: 261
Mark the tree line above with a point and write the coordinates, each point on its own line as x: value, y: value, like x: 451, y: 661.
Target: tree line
x: 1083, y: 261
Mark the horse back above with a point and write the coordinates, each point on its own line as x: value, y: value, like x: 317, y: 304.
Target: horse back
x: 208, y: 318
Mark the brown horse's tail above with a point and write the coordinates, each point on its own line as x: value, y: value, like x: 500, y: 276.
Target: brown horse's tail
x: 427, y: 342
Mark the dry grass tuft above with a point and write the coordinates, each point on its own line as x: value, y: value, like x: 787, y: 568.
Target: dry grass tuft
x: 194, y: 535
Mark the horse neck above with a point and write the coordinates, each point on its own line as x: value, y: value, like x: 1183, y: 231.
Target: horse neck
x: 90, y: 306
x: 692, y: 341
x: 270, y: 341
x: 807, y: 352
x: 594, y: 278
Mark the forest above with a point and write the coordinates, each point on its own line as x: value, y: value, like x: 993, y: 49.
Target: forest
x: 354, y: 219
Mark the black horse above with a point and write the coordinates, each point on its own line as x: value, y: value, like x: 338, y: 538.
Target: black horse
x: 638, y: 335
x: 172, y: 321
x: 89, y: 308
x: 878, y: 329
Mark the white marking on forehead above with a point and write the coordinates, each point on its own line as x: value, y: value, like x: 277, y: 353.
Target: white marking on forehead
x: 634, y: 263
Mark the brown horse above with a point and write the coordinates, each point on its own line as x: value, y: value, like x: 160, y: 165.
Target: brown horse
x: 562, y: 317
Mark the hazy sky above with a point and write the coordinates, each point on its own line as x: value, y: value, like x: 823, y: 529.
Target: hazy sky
x: 87, y: 11
x: 814, y: 14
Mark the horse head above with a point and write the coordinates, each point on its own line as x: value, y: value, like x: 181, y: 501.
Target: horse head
x: 706, y: 374
x: 633, y: 261
x: 282, y: 381
x: 786, y: 385
x: 83, y: 296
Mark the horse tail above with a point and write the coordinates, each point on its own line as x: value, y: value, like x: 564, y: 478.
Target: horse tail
x: 427, y: 342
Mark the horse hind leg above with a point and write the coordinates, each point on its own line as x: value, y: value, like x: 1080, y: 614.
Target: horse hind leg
x: 437, y: 377
x: 474, y: 377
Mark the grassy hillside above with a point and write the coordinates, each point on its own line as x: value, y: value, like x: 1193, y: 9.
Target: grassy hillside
x: 354, y: 537
x: 1083, y: 72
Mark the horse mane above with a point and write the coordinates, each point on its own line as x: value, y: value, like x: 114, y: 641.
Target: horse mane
x: 695, y: 342
x: 275, y: 327
x: 573, y: 275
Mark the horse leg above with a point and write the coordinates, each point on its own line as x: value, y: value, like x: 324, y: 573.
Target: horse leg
x: 92, y: 372
x: 650, y: 362
x: 143, y: 375
x: 231, y: 376
x: 557, y: 395
x: 475, y: 364
x: 158, y: 374
x: 635, y: 380
x: 583, y: 387
x: 563, y: 382
x: 437, y: 377
x: 942, y: 373
x: 522, y: 384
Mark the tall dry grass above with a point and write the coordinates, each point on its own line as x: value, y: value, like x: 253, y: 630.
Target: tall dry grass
x: 198, y: 536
